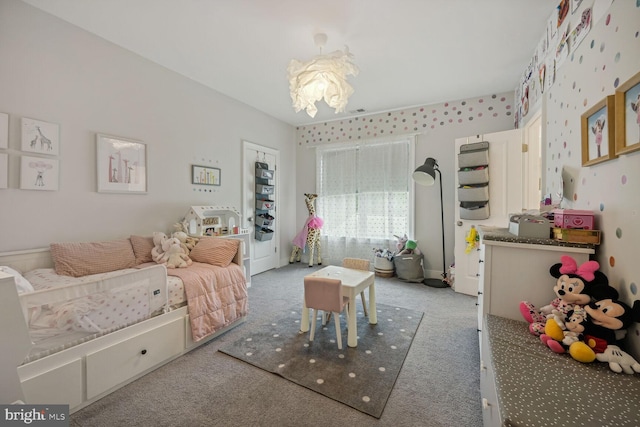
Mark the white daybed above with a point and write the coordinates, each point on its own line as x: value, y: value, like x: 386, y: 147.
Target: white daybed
x: 95, y: 352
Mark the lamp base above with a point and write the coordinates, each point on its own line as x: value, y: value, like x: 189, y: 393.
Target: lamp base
x: 435, y: 283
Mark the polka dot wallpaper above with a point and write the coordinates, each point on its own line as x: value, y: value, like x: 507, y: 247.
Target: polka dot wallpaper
x: 410, y: 120
x: 608, y: 56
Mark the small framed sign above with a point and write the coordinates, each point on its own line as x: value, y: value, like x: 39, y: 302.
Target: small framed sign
x: 205, y: 175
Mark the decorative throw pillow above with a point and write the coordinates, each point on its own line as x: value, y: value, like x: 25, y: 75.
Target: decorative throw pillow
x: 142, y: 248
x: 22, y: 284
x: 215, y: 251
x: 81, y: 259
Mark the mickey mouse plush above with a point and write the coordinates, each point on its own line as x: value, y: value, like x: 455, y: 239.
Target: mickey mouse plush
x: 604, y: 318
x: 576, y: 286
x: 559, y: 340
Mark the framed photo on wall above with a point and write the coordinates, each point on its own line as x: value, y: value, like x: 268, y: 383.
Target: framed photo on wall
x: 597, y: 131
x: 38, y: 173
x: 4, y: 131
x: 121, y: 164
x: 205, y: 175
x: 627, y: 104
x: 40, y: 137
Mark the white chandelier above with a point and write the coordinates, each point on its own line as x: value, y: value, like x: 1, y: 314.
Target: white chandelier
x: 323, y: 77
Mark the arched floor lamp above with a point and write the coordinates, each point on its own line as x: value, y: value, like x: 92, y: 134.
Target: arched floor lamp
x: 426, y: 175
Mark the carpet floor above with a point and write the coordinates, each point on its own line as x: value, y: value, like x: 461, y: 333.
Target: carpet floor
x: 361, y: 377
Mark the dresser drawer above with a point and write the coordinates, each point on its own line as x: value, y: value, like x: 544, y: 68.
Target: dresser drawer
x: 111, y: 366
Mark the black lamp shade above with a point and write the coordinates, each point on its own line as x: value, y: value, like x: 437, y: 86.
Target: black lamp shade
x: 426, y: 174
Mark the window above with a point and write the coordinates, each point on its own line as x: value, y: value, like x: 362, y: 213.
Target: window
x: 364, y: 194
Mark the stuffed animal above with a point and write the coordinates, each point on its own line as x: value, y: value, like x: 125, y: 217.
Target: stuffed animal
x: 174, y: 254
x: 559, y: 340
x: 410, y: 247
x: 157, y: 252
x: 618, y: 360
x: 400, y: 243
x: 187, y: 242
x: 604, y: 318
x: 575, y: 285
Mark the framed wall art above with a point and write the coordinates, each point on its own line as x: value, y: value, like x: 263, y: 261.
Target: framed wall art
x: 597, y: 131
x: 205, y: 175
x: 4, y: 131
x: 38, y: 173
x: 4, y: 170
x: 121, y: 164
x: 627, y: 104
x: 40, y: 137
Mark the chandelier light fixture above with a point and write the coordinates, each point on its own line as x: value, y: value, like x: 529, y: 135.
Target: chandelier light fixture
x: 323, y: 77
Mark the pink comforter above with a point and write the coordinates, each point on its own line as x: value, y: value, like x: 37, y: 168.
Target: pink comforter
x: 216, y: 296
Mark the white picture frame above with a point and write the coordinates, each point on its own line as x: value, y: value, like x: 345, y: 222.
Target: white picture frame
x: 4, y: 131
x: 121, y: 165
x: 39, y: 173
x: 4, y: 170
x: 40, y: 137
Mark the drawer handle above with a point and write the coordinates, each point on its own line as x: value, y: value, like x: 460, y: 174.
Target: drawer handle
x: 144, y: 351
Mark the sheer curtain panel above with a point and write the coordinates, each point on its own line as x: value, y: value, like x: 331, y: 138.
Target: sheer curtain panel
x: 364, y: 197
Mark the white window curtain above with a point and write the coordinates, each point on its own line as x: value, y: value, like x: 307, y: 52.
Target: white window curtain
x: 365, y: 197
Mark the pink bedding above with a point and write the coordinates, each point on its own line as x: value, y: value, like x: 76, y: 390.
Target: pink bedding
x: 216, y: 296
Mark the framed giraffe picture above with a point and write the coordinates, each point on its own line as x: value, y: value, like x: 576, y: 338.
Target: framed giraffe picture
x: 40, y: 137
x: 38, y: 173
x: 121, y: 164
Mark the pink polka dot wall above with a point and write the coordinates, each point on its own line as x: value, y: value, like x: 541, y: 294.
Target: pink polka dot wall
x: 409, y: 120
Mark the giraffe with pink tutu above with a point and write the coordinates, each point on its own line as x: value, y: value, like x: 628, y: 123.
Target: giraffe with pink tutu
x: 309, y: 236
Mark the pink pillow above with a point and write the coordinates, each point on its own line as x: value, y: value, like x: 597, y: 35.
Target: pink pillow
x: 82, y: 259
x: 215, y: 251
x: 142, y: 248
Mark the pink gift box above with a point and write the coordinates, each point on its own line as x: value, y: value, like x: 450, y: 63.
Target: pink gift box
x: 572, y: 218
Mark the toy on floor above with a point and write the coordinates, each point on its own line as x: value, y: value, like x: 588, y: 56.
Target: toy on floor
x: 309, y: 236
x: 575, y: 285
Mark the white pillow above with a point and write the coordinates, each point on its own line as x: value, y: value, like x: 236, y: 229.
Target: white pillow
x: 22, y: 284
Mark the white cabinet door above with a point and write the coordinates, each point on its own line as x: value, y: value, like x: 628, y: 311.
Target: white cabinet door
x: 505, y: 197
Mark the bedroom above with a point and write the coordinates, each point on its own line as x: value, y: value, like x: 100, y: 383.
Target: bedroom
x: 60, y: 73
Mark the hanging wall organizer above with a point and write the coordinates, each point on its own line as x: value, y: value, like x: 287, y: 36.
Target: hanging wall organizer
x: 265, y: 205
x: 473, y: 180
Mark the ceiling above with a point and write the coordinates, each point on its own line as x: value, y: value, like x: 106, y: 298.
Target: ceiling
x: 409, y: 52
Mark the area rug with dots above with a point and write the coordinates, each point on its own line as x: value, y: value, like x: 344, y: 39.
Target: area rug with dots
x: 361, y: 377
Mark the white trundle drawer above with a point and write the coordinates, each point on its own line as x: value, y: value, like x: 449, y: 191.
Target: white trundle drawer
x: 59, y: 385
x: 122, y: 361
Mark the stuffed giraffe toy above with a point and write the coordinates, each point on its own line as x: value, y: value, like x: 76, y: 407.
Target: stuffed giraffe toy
x: 309, y: 236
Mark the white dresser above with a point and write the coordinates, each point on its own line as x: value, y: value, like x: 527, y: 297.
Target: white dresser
x: 511, y: 270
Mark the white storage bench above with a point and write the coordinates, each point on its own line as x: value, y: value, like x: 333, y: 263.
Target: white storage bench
x: 524, y: 383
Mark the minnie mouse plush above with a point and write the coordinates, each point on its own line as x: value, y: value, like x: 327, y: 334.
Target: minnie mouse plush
x: 576, y: 286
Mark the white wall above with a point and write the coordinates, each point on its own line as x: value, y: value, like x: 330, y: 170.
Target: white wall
x: 437, y: 127
x: 607, y: 57
x: 55, y: 72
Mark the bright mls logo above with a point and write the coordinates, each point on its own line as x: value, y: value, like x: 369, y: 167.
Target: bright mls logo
x: 34, y: 415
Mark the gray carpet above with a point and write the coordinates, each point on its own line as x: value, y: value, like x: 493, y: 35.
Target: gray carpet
x: 360, y: 377
x: 438, y: 385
